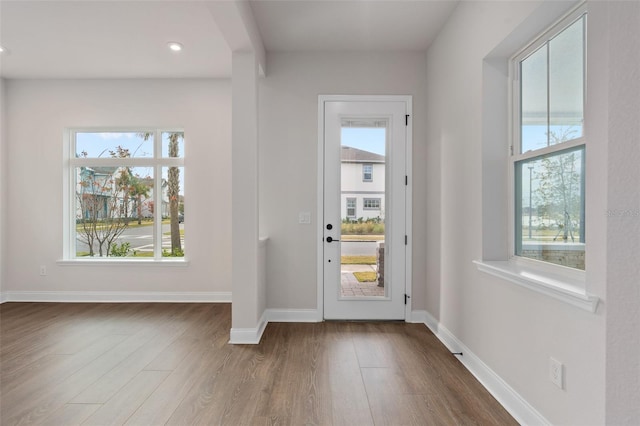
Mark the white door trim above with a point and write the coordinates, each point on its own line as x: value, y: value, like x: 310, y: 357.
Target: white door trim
x: 408, y: 100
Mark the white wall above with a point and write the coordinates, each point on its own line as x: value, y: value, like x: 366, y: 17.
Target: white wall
x: 246, y: 312
x: 288, y: 157
x: 352, y: 178
x: 38, y: 112
x: 3, y: 179
x: 511, y: 329
x: 623, y: 223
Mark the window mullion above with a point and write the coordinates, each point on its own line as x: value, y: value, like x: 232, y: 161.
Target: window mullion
x: 548, y: 94
x: 565, y: 146
x: 157, y: 227
x: 157, y: 214
x: 116, y: 162
x: 516, y: 107
x: 582, y: 198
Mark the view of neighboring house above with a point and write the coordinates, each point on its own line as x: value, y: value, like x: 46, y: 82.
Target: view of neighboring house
x: 94, y: 190
x: 363, y: 184
x: 100, y: 186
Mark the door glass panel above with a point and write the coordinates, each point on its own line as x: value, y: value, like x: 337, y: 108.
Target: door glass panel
x: 363, y: 176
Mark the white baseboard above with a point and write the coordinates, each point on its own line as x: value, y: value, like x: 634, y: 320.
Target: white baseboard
x: 423, y: 317
x: 252, y: 336
x: 248, y: 336
x: 3, y: 298
x: 292, y: 315
x: 116, y: 296
x: 511, y: 400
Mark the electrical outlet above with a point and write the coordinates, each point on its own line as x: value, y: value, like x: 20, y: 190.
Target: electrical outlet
x: 556, y: 372
x: 43, y: 270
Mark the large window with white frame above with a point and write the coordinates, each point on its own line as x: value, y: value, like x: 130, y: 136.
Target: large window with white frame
x: 549, y: 146
x: 126, y: 194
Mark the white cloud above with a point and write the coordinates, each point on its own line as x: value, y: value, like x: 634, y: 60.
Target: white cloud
x: 113, y: 135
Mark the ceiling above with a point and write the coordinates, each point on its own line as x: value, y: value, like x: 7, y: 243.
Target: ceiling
x: 128, y: 39
x: 107, y: 39
x: 347, y: 26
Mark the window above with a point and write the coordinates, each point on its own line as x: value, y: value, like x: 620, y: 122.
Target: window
x: 351, y: 208
x: 548, y: 152
x: 367, y: 172
x: 371, y: 204
x: 126, y: 194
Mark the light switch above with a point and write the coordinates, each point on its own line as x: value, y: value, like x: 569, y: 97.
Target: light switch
x: 304, y: 217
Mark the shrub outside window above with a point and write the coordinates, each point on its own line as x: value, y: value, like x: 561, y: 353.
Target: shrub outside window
x: 548, y: 161
x: 126, y: 194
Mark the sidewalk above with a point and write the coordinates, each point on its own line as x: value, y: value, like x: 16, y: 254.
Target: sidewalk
x: 352, y: 287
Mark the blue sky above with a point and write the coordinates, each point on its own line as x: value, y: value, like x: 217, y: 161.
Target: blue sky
x: 370, y: 139
x: 98, y: 145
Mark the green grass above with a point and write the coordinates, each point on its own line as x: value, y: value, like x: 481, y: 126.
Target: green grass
x: 358, y: 260
x: 143, y: 254
x: 366, y: 277
x: 169, y: 233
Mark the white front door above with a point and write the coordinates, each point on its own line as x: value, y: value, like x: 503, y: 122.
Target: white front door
x: 364, y: 206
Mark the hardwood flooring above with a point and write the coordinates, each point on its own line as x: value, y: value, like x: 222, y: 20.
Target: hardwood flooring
x: 156, y: 364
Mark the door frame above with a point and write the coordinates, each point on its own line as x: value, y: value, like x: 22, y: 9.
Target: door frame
x: 408, y: 100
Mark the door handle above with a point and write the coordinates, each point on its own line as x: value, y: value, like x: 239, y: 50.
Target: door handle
x: 329, y: 239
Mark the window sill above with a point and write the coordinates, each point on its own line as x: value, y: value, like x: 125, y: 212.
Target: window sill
x: 564, y: 289
x: 122, y: 262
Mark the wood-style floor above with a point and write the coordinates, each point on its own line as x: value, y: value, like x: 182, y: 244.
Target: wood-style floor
x: 155, y: 364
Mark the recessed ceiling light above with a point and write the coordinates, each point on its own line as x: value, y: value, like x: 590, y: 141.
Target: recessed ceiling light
x: 175, y: 46
x: 2, y: 49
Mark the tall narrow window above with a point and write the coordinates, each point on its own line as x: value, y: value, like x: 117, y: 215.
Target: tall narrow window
x: 548, y: 158
x: 351, y: 208
x: 367, y: 172
x: 126, y: 194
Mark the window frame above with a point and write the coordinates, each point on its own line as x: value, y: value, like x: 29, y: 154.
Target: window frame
x: 364, y: 174
x: 157, y: 162
x: 355, y: 207
x: 576, y: 276
x: 565, y: 285
x: 364, y: 203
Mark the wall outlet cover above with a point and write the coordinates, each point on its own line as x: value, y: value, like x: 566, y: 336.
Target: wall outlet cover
x: 556, y: 372
x: 304, y: 217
